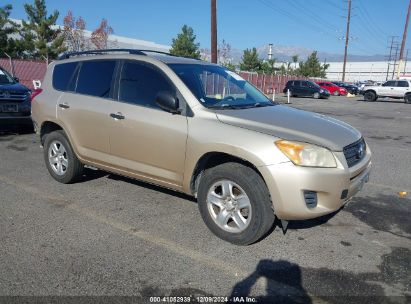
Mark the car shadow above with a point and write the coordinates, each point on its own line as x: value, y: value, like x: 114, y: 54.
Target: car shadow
x: 384, y: 101
x: 16, y: 130
x: 283, y: 284
x: 307, y: 224
x: 151, y: 187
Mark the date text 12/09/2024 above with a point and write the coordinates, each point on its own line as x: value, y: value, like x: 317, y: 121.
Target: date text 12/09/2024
x: 202, y: 299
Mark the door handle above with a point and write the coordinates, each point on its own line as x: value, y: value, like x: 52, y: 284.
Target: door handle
x: 117, y: 116
x: 64, y: 105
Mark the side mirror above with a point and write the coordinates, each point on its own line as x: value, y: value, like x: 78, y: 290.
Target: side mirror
x: 167, y: 102
x: 16, y: 79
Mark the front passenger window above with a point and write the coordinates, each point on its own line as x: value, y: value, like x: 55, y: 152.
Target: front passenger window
x: 140, y: 84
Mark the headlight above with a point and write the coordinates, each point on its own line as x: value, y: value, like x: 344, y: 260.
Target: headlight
x: 303, y: 154
x: 321, y: 90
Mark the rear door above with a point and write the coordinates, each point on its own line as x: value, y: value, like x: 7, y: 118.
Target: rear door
x: 296, y: 88
x: 144, y: 139
x: 83, y: 109
x: 402, y: 87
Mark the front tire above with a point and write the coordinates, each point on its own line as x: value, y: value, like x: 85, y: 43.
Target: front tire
x: 235, y: 204
x: 316, y: 95
x: 61, y: 161
x: 407, y: 98
x: 370, y: 96
x: 336, y: 93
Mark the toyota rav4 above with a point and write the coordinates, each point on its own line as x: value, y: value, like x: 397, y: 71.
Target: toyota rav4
x: 201, y: 129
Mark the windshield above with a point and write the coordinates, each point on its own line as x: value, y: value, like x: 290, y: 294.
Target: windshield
x: 218, y: 88
x: 5, y: 77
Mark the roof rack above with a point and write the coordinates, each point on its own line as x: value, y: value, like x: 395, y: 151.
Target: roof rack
x: 97, y: 52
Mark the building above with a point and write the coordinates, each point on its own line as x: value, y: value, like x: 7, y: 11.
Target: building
x: 359, y: 71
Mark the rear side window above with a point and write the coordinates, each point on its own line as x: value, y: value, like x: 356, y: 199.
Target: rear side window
x: 63, y: 75
x: 403, y: 84
x: 297, y: 83
x: 390, y: 83
x: 96, y: 78
x: 140, y: 83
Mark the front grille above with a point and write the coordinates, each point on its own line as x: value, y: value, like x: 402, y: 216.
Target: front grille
x: 355, y: 152
x: 10, y: 96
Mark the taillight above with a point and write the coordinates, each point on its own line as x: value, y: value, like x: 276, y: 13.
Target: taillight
x: 35, y: 93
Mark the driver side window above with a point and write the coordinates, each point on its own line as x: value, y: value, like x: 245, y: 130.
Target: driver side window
x: 140, y: 83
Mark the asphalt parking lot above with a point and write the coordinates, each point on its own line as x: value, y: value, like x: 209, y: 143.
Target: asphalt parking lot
x: 113, y: 236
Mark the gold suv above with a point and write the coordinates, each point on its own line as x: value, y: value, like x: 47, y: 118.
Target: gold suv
x: 201, y: 129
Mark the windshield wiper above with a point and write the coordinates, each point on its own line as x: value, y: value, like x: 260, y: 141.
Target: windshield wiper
x: 224, y: 106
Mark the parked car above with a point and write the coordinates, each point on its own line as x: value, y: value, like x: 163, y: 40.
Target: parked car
x: 352, y: 89
x: 15, y: 101
x: 305, y: 88
x: 398, y: 89
x: 201, y: 129
x: 332, y: 88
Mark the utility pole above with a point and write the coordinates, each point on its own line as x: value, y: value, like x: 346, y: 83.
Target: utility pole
x: 347, y: 35
x: 214, y: 31
x: 390, y: 56
x: 406, y: 60
x: 395, y: 60
x: 404, y: 38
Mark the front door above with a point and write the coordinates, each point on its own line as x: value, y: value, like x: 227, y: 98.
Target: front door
x: 387, y: 88
x: 145, y: 139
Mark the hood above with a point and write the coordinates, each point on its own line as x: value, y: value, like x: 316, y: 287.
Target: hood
x: 13, y: 88
x: 293, y: 124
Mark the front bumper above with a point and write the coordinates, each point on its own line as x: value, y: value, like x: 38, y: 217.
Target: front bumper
x: 334, y: 186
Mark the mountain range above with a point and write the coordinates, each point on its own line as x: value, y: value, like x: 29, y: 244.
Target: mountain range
x: 283, y: 53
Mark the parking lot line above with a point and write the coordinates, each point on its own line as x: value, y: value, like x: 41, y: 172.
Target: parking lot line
x: 140, y: 234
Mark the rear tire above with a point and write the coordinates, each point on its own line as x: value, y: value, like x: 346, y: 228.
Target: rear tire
x: 61, y: 161
x: 245, y: 198
x: 407, y: 98
x: 370, y: 96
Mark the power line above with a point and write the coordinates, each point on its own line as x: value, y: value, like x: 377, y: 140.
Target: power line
x: 294, y: 18
x: 316, y: 17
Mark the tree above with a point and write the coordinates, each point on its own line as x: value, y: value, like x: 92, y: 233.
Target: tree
x: 6, y: 28
x: 224, y: 52
x: 73, y: 33
x: 295, y: 60
x: 99, y: 37
x: 312, y: 67
x: 268, y: 66
x: 47, y: 40
x: 184, y: 45
x: 8, y: 44
x: 250, y: 61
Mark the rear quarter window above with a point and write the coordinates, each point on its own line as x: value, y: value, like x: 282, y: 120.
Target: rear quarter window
x: 63, y: 76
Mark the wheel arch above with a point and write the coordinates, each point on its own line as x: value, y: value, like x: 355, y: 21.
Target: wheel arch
x: 212, y: 159
x: 48, y: 127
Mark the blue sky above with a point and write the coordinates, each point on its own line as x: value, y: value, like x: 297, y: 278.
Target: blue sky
x: 313, y: 24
